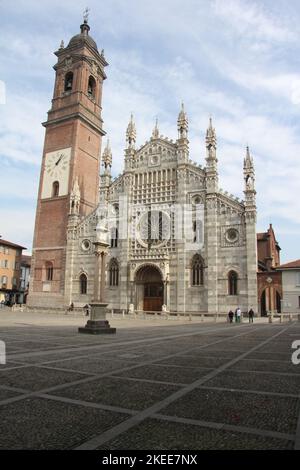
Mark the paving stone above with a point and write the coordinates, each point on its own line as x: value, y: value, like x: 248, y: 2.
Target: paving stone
x: 32, y: 345
x: 277, y: 348
x: 36, y: 378
x: 119, y: 392
x: 267, y: 366
x: 251, y: 381
x: 37, y: 359
x: 166, y: 373
x: 162, y: 435
x: 241, y: 409
x: 36, y: 423
x: 270, y: 356
x: 9, y: 364
x: 199, y: 361
x: 4, y: 394
x: 93, y: 365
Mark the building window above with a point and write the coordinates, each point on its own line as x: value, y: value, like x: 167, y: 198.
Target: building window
x: 5, y: 263
x: 299, y: 302
x: 49, y: 271
x: 232, y: 283
x: 197, y: 271
x: 4, y: 281
x: 114, y: 235
x: 55, y: 189
x: 83, y: 284
x: 14, y: 282
x: 297, y: 279
x: 69, y: 81
x: 91, y: 87
x: 114, y: 273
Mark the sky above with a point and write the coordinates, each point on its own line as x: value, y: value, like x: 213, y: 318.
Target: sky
x: 235, y: 60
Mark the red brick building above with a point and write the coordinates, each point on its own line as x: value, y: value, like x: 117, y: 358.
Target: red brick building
x: 269, y: 279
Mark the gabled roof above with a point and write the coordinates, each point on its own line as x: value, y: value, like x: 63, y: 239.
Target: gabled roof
x: 291, y: 265
x: 12, y: 245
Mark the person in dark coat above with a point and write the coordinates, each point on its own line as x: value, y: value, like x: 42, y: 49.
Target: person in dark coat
x: 230, y: 316
x: 251, y: 315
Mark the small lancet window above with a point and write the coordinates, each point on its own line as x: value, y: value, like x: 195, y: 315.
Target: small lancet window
x: 55, y: 189
x: 197, y: 271
x: 232, y: 283
x: 83, y: 284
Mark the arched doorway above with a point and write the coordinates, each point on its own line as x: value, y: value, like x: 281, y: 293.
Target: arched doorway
x: 278, y: 302
x: 149, y: 289
x: 263, y: 304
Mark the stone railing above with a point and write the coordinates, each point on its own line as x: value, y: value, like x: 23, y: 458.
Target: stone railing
x: 283, y: 316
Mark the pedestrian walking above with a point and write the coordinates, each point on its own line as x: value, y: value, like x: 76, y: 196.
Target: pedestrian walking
x: 251, y: 315
x: 230, y: 316
x: 87, y: 310
x: 238, y: 315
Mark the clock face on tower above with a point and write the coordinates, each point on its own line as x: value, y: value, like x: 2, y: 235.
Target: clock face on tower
x: 56, y: 170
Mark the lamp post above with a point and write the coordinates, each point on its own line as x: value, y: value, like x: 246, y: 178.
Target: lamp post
x: 97, y: 324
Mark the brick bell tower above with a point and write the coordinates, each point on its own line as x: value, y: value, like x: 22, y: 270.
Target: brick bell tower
x: 71, y: 155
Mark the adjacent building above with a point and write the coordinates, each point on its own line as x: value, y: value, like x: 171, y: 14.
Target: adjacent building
x: 10, y: 271
x: 24, y: 279
x: 290, y: 286
x: 269, y: 278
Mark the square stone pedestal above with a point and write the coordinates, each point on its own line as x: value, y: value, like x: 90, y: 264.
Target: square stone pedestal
x: 97, y: 325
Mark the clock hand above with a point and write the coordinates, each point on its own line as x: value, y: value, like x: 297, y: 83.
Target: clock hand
x: 59, y: 159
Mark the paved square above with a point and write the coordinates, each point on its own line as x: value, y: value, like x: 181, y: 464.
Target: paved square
x: 156, y: 384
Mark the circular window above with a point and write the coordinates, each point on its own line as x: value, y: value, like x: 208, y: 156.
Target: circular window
x: 232, y: 235
x: 86, y: 245
x: 153, y: 228
x: 197, y: 200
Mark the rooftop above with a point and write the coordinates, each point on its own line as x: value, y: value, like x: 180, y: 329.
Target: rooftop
x: 11, y: 244
x: 291, y: 265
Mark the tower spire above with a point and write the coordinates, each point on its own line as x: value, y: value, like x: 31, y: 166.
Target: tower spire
x: 211, y: 137
x: 211, y: 158
x: 249, y: 178
x: 107, y: 157
x: 155, y: 132
x: 182, y: 123
x: 131, y: 132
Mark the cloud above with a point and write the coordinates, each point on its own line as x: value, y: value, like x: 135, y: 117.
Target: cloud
x: 251, y: 19
x: 236, y: 60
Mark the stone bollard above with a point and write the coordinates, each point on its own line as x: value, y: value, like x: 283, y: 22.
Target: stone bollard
x: 271, y: 318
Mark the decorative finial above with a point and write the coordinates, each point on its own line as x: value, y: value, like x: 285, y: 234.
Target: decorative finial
x: 211, y: 138
x: 248, y: 161
x: 86, y: 15
x: 182, y: 123
x: 131, y: 132
x: 62, y: 44
x: 155, y: 132
x: 107, y: 156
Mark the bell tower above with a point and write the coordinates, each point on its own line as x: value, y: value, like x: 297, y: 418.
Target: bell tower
x: 72, y: 150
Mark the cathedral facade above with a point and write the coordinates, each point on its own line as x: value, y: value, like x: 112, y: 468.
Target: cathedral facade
x: 177, y: 242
